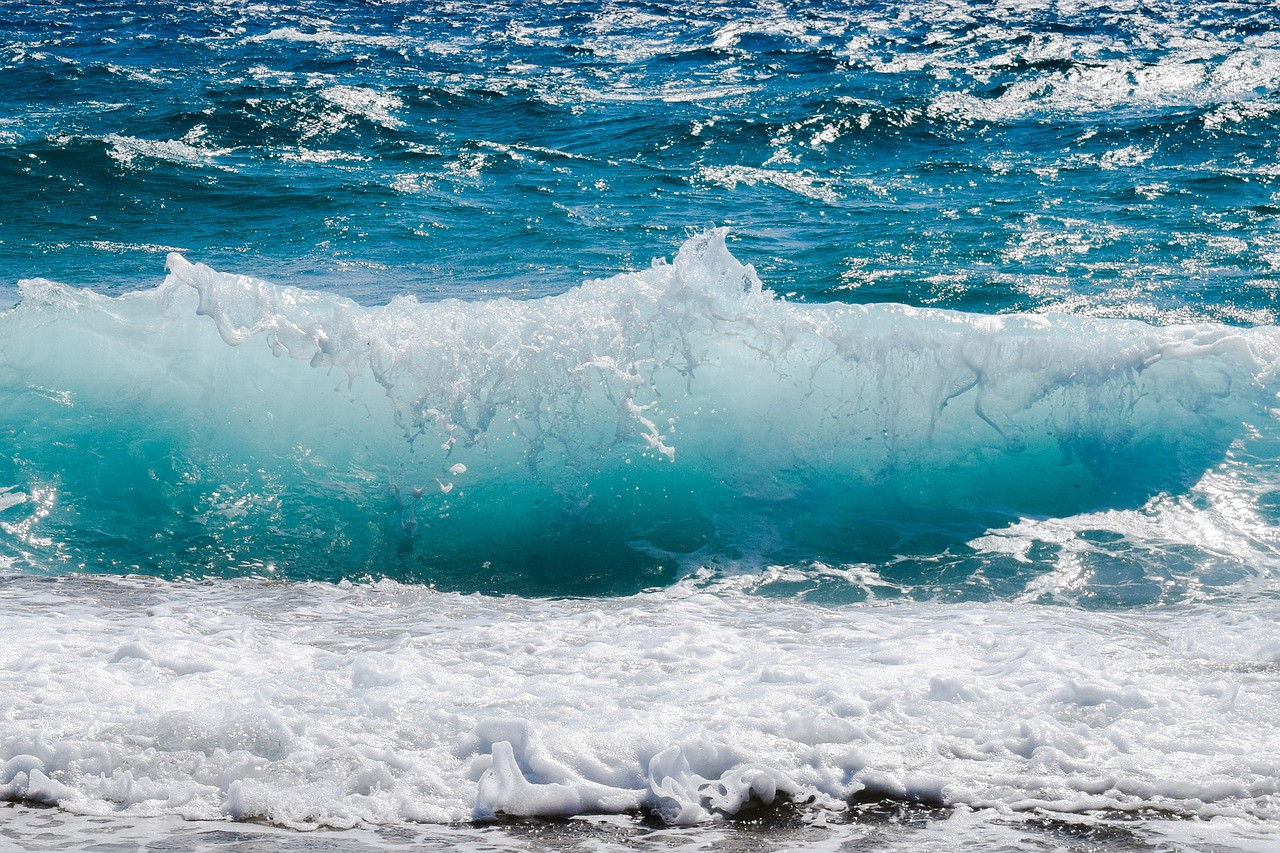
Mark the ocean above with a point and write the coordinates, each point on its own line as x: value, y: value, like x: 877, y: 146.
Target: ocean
x: 640, y: 425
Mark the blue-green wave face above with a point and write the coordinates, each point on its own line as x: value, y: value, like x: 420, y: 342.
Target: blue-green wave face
x: 607, y: 439
x: 1059, y: 174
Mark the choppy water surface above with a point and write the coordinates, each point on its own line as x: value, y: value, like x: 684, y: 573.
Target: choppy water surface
x: 595, y: 425
x: 1096, y: 158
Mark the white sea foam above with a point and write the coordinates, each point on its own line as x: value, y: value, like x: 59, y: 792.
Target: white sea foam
x: 319, y: 705
x: 189, y: 151
x: 1184, y: 79
x: 377, y: 107
x: 728, y: 35
x: 1236, y: 545
x: 10, y: 496
x: 329, y: 38
x: 307, y: 155
x: 806, y: 184
x: 122, y: 248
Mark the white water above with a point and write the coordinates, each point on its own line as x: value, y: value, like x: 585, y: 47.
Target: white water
x: 319, y: 705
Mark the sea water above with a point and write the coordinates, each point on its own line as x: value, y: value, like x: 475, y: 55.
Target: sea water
x: 597, y: 425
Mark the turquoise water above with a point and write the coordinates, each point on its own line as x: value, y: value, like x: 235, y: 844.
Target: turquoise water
x: 612, y: 438
x: 876, y: 320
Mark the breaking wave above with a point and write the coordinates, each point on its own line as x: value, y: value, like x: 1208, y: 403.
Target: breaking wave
x: 596, y: 441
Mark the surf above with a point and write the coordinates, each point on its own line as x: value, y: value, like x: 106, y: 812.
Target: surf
x: 599, y: 441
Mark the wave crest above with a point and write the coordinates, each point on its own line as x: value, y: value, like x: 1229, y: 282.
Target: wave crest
x: 595, y: 440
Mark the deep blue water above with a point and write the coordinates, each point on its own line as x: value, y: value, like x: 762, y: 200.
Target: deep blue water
x: 1097, y: 159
